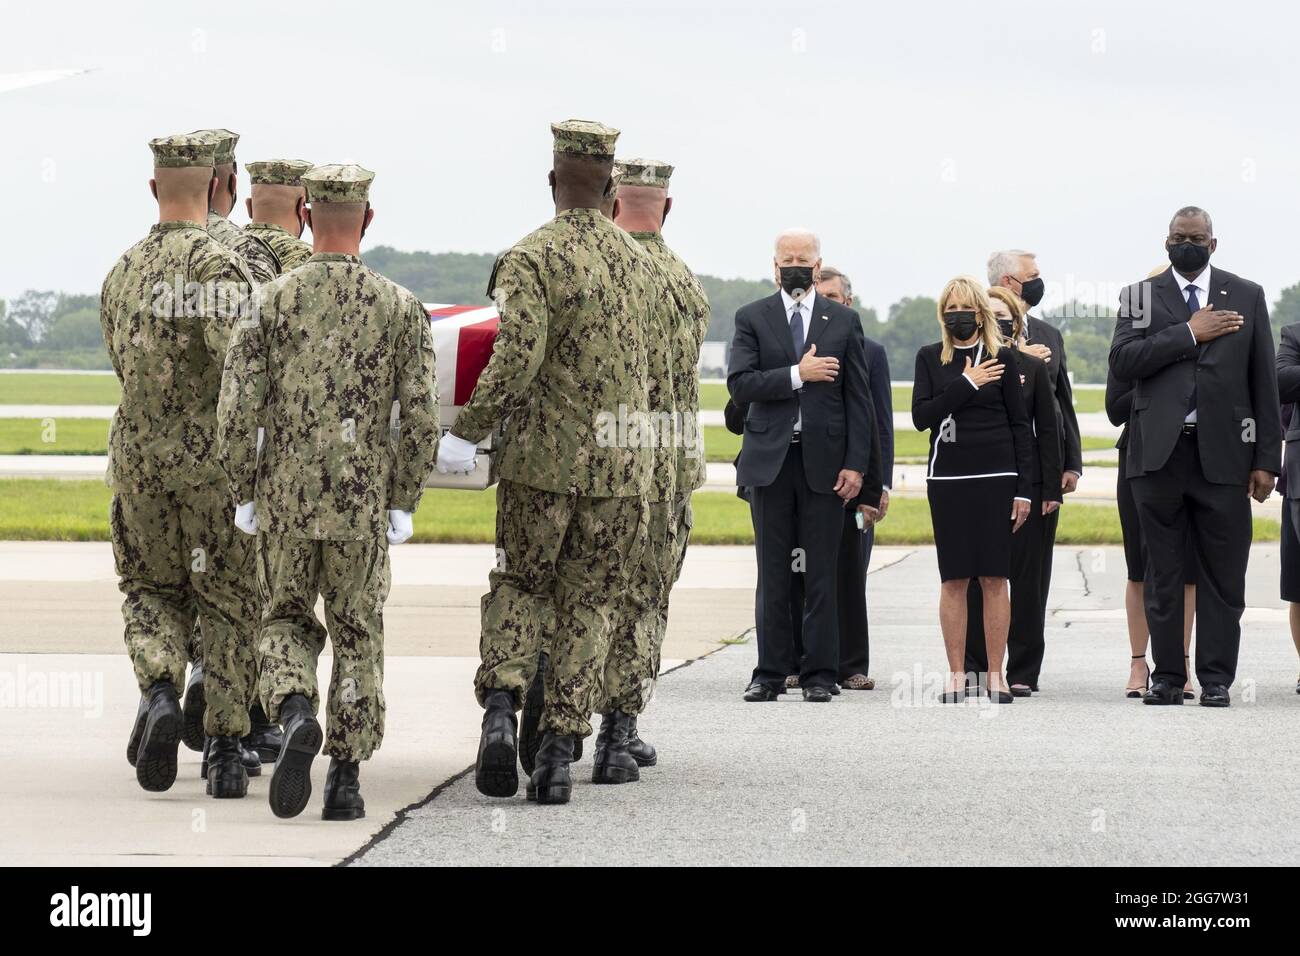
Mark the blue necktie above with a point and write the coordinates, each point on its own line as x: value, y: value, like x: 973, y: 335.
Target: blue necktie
x: 1194, y: 306
x: 796, y: 331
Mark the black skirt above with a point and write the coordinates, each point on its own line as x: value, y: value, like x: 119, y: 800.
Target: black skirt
x: 972, y: 526
x: 1135, y: 555
x: 1290, y: 553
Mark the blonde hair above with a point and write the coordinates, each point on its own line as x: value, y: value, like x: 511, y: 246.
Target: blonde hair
x: 1016, y: 306
x: 968, y: 291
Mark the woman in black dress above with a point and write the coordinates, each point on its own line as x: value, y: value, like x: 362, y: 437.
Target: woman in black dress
x: 979, y: 481
x: 1025, y: 644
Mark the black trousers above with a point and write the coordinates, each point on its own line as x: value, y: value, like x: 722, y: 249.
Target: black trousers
x: 1172, y: 503
x: 850, y: 599
x: 796, y: 527
x: 1031, y: 549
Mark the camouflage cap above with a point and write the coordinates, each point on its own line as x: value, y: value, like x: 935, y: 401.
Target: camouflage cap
x: 335, y: 183
x: 278, y: 172
x: 225, y: 142
x: 645, y: 172
x: 185, y: 149
x: 584, y: 137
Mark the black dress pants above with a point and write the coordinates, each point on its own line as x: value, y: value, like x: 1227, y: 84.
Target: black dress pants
x: 796, y: 527
x: 1171, y: 503
x: 850, y: 599
x: 1030, y: 549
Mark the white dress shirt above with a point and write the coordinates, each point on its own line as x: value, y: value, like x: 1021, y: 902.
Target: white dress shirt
x: 805, y: 307
x: 1202, y: 286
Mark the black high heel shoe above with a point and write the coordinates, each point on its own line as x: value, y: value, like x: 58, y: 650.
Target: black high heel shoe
x: 1136, y: 693
x: 1187, y: 694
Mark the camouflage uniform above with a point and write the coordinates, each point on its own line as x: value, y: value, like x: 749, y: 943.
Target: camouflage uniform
x: 334, y: 345
x: 257, y: 255
x: 287, y: 251
x: 167, y: 310
x: 568, y: 366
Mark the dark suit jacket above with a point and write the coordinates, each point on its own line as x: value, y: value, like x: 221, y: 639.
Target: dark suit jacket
x: 1040, y: 403
x: 1119, y: 405
x: 1288, y: 392
x: 838, y: 420
x: 1059, y: 377
x: 1234, y: 376
x: 882, y: 405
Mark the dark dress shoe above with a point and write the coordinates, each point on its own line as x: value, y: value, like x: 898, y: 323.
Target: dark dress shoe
x: 291, y: 782
x: 817, y: 694
x: 195, y: 704
x: 1214, y: 695
x: 226, y: 776
x: 758, y: 692
x: 251, y: 762
x: 611, y: 762
x: 155, y: 759
x: 343, y: 791
x: 530, y: 718
x: 1000, y: 697
x: 644, y: 754
x: 495, y: 772
x: 835, y: 690
x: 552, y: 780
x: 264, y: 738
x: 137, y: 729
x: 1021, y: 690
x: 1162, y: 693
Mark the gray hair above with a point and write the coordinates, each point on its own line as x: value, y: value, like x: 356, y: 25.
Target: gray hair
x: 1006, y: 263
x: 830, y: 272
x: 798, y: 233
x: 1192, y: 211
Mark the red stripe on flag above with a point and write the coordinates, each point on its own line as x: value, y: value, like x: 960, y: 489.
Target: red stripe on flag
x: 446, y: 312
x: 475, y: 348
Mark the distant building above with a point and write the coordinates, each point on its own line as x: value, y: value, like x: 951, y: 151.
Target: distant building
x: 713, y: 360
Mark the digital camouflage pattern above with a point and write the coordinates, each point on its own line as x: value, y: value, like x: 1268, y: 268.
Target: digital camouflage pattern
x: 646, y: 172
x: 288, y: 250
x: 185, y: 150
x: 632, y: 663
x: 224, y: 141
x: 328, y: 350
x: 277, y: 172
x: 584, y: 138
x: 255, y: 254
x: 338, y: 183
x: 567, y: 376
x: 176, y: 551
x: 167, y: 310
x: 353, y: 577
x: 563, y: 560
x: 690, y: 325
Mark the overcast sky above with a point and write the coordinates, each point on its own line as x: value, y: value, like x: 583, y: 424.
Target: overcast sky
x: 915, y: 137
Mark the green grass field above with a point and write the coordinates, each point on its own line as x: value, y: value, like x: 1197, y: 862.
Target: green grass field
x: 53, y: 388
x: 713, y: 396
x: 54, y: 436
x: 48, y: 510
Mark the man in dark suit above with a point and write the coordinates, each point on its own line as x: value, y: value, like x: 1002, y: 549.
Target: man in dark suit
x: 1203, y: 437
x: 1017, y: 271
x: 798, y: 362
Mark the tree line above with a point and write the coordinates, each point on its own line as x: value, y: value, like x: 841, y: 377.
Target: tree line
x: 46, y: 329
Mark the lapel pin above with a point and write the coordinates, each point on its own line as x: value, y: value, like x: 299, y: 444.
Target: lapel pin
x: 826, y: 318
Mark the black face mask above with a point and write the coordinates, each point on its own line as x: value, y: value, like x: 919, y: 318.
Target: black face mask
x: 796, y: 279
x: 1188, y: 256
x: 1032, y: 291
x: 960, y: 325
x: 1007, y: 327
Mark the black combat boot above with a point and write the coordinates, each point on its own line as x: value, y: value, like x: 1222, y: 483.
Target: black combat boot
x: 644, y: 754
x: 227, y: 778
x: 552, y: 781
x: 195, y: 704
x: 264, y: 738
x: 155, y: 759
x: 137, y: 730
x: 291, y: 782
x: 251, y: 762
x: 495, y: 773
x: 343, y: 791
x: 530, y: 718
x: 612, y: 763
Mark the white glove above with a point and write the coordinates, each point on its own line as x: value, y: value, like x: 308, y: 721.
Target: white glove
x: 399, y: 526
x: 456, y: 455
x: 246, y: 518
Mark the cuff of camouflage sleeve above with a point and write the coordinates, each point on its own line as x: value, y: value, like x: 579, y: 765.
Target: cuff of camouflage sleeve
x: 404, y: 502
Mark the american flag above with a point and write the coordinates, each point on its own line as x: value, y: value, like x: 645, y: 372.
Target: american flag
x: 462, y: 344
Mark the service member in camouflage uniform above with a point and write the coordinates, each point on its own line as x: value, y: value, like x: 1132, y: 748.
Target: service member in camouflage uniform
x: 331, y: 346
x: 633, y: 665
x: 168, y: 309
x: 567, y: 379
x: 256, y: 254
x: 275, y: 210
